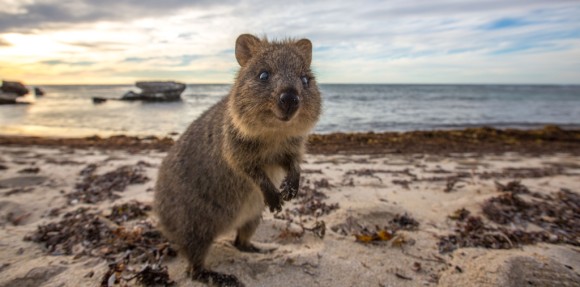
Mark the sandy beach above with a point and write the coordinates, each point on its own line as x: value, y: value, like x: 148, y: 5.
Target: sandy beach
x: 415, y: 209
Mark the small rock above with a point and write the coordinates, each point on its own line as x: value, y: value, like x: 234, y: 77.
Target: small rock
x: 98, y: 100
x: 38, y: 92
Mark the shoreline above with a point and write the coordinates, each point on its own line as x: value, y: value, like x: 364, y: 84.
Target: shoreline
x: 549, y: 139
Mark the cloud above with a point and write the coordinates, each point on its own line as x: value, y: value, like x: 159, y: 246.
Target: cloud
x: 4, y: 43
x: 355, y: 41
x: 67, y: 63
x: 176, y: 61
x: 33, y: 15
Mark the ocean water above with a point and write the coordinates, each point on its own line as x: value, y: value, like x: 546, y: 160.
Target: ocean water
x: 69, y: 111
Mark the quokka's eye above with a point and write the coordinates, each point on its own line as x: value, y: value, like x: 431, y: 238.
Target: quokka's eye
x: 304, y: 80
x: 264, y: 76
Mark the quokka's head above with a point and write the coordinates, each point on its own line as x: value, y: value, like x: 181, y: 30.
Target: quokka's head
x: 275, y: 90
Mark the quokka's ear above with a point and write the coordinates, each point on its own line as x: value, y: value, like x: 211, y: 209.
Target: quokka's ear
x: 246, y: 46
x: 305, y: 47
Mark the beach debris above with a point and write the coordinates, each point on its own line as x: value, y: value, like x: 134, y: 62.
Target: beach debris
x: 513, y: 187
x: 19, y: 190
x: 322, y: 183
x: 3, y: 167
x: 122, y: 273
x: 94, y: 188
x: 404, y: 222
x: 122, y: 235
x: 402, y: 276
x: 118, y: 142
x: 128, y: 211
x: 549, y: 139
x: 416, y: 266
x: 402, y: 182
x: 84, y: 232
x: 546, y: 140
x: 311, y: 201
x: 310, y: 204
x: 525, y: 172
x: 450, y: 184
x: 370, y: 232
x: 460, y: 214
x: 4, y: 266
x: 472, y: 232
x: 30, y: 170
x: 556, y: 214
x: 377, y: 235
x: 17, y: 218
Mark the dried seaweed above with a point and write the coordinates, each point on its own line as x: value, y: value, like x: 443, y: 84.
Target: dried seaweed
x: 402, y: 182
x: 86, y: 233
x: 515, y: 208
x: 365, y: 232
x: 152, y: 274
x: 123, y: 236
x: 30, y: 170
x: 370, y: 236
x: 311, y: 202
x: 460, y: 214
x: 128, y: 211
x: 472, y: 232
x: 550, y: 139
x: 405, y: 222
x: 19, y: 190
x: 556, y: 214
x: 95, y: 188
x: 513, y: 187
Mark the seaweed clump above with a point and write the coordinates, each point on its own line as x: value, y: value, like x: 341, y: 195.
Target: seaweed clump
x: 512, y: 211
x: 94, y: 188
x: 123, y: 237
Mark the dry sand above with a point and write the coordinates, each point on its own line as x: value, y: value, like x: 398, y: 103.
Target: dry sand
x: 370, y: 190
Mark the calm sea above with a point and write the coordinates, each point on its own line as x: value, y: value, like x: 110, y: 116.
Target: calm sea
x: 69, y: 111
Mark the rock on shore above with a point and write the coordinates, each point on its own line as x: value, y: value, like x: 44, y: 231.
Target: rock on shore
x: 156, y: 91
x: 11, y: 91
x: 17, y: 88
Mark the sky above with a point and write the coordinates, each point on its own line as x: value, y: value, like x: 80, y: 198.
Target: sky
x: 406, y: 42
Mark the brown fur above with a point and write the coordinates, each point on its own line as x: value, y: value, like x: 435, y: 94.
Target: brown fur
x: 227, y: 165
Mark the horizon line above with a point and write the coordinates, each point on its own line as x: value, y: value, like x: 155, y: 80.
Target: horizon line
x: 323, y: 83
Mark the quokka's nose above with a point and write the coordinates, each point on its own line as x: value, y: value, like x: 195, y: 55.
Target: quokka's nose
x: 289, y: 103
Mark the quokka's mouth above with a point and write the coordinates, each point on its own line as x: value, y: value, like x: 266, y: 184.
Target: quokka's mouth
x: 284, y: 116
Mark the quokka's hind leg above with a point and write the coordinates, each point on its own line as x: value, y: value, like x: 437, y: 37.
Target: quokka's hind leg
x: 196, y: 250
x: 244, y: 235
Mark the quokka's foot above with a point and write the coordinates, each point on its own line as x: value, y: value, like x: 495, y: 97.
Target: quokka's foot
x: 251, y: 248
x: 217, y: 279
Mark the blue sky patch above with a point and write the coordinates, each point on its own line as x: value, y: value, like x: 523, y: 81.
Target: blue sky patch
x: 506, y: 23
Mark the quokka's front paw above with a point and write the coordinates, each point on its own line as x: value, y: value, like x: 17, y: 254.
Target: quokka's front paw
x: 289, y: 189
x: 274, y: 201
